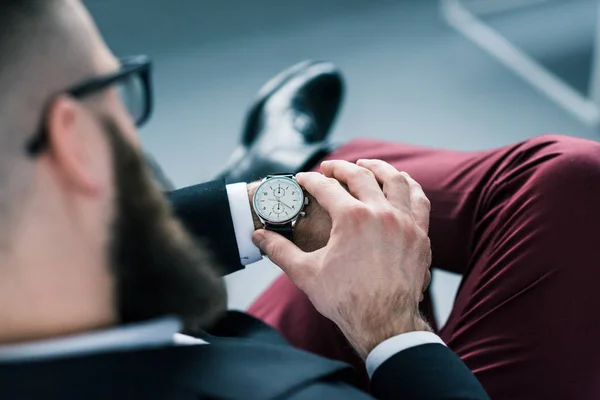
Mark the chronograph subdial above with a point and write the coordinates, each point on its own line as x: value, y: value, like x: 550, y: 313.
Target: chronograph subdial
x: 279, y: 192
x: 278, y: 208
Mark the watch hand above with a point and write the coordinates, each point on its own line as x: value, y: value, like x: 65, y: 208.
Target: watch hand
x: 286, y: 205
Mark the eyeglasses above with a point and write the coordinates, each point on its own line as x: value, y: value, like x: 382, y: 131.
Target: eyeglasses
x: 133, y: 84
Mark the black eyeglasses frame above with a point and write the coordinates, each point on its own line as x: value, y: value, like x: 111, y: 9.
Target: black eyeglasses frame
x: 141, y: 65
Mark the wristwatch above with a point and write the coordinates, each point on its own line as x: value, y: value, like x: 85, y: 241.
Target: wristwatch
x: 279, y: 202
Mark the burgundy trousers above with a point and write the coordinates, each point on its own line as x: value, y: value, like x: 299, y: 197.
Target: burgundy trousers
x: 522, y: 225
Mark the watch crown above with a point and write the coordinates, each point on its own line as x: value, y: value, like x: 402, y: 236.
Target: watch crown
x: 302, y: 214
x: 306, y: 201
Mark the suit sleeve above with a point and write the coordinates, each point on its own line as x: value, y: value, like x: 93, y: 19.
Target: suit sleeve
x: 428, y: 372
x: 204, y: 210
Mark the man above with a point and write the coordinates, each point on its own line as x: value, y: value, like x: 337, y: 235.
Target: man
x: 91, y: 255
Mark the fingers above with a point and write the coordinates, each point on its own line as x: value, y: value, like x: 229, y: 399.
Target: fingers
x: 401, y: 190
x: 427, y: 281
x: 360, y: 181
x: 426, y: 284
x: 327, y: 191
x: 420, y: 204
x: 395, y: 185
x: 280, y: 251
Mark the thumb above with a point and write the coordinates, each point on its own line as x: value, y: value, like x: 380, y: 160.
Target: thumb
x: 285, y: 254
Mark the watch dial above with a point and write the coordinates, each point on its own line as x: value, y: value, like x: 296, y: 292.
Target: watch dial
x: 278, y: 200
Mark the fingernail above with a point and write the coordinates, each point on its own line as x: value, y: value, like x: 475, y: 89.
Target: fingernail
x: 258, y: 239
x: 300, y: 176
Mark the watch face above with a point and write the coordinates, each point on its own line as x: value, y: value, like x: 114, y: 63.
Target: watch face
x: 278, y: 200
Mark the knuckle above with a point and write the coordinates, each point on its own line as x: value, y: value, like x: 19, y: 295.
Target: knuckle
x: 426, y: 251
x: 399, y: 180
x: 390, y: 219
x: 328, y: 182
x: 361, y: 173
x: 414, y: 182
x: 359, y: 213
x: 422, y: 243
x: 425, y: 202
x: 426, y: 244
x: 409, y: 228
x: 331, y: 182
x: 365, y: 173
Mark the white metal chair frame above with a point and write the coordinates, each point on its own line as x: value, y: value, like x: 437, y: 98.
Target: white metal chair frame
x: 465, y: 17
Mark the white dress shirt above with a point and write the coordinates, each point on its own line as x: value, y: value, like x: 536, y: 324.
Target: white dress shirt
x: 243, y: 223
x: 165, y: 331
x: 161, y: 332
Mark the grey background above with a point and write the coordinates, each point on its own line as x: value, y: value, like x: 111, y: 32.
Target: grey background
x: 410, y: 77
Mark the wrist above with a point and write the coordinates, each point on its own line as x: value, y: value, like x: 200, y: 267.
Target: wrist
x: 251, y: 190
x: 365, y: 341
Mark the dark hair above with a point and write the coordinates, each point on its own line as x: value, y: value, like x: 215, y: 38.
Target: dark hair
x: 40, y: 54
x: 17, y: 20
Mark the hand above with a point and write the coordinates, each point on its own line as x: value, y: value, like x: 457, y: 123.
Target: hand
x: 370, y: 276
x: 312, y: 231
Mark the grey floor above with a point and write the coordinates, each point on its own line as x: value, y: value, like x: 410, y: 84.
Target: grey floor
x: 410, y: 78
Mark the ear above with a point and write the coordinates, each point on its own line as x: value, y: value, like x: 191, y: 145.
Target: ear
x: 70, y: 146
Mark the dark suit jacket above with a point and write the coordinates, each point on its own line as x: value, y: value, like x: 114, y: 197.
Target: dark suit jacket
x: 250, y: 362
x: 245, y: 360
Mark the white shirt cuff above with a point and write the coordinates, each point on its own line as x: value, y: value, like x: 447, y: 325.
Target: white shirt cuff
x: 243, y: 224
x: 389, y: 348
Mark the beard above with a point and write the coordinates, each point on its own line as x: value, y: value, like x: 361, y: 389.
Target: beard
x: 158, y: 268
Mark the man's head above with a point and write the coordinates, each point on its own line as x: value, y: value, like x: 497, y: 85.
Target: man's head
x: 87, y: 239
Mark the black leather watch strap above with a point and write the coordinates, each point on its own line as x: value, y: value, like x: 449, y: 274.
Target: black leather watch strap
x: 284, y: 230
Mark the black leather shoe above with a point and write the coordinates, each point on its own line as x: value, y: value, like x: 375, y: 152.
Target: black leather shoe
x: 249, y: 131
x: 287, y: 128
